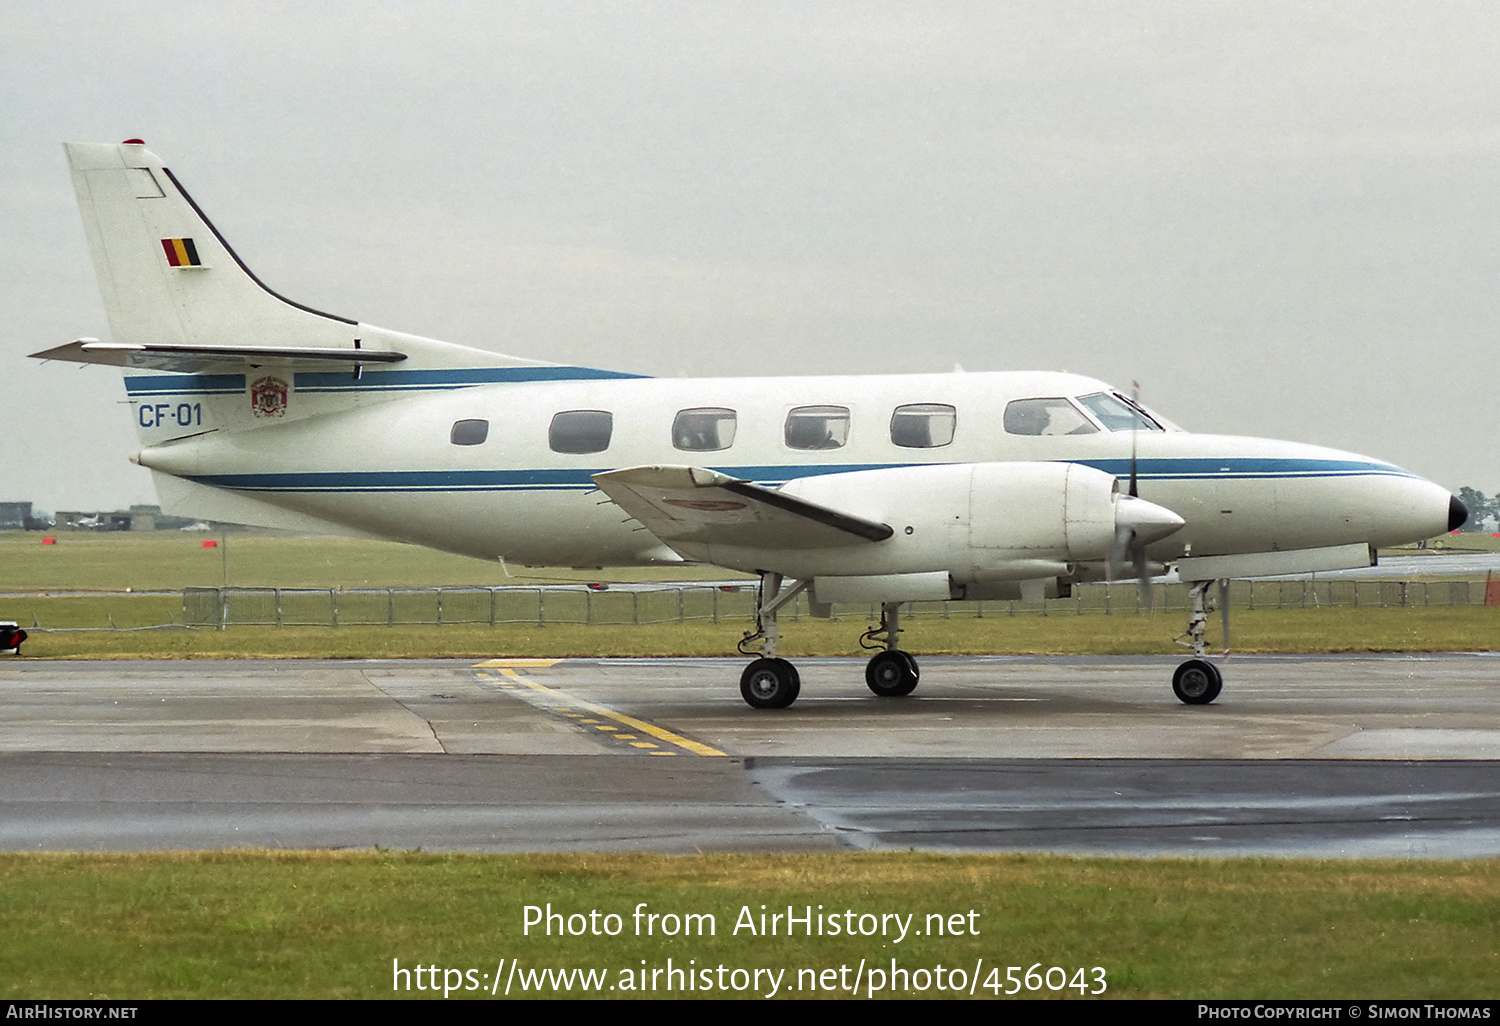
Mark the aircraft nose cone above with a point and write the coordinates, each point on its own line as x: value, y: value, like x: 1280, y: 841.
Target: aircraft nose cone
x: 1147, y: 521
x: 1458, y: 513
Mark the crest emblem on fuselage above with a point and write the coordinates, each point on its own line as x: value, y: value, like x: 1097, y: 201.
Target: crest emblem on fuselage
x: 268, y: 397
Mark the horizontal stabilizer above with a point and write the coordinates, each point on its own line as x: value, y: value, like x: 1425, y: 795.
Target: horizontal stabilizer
x: 695, y: 507
x: 198, y: 359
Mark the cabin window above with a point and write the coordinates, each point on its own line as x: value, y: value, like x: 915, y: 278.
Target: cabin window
x: 703, y: 430
x: 469, y: 432
x: 580, y: 431
x: 817, y: 427
x: 1046, y: 417
x: 923, y: 425
x: 1117, y: 413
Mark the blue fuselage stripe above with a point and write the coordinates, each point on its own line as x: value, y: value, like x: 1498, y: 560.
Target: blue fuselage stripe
x: 185, y: 384
x: 1187, y: 469
x: 420, y: 380
x: 1201, y: 467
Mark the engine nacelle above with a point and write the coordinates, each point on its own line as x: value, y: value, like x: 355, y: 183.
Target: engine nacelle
x: 979, y: 522
x: 1060, y: 509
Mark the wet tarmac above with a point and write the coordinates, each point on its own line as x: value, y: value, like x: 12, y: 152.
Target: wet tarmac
x: 1317, y: 756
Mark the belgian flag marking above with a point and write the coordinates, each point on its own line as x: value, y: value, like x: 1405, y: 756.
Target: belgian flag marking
x: 181, y: 252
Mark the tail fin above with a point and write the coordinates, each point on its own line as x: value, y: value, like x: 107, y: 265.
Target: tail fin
x: 167, y: 276
x: 180, y: 299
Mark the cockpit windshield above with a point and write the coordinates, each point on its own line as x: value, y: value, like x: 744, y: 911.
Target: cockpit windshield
x: 1117, y: 413
x: 1046, y: 417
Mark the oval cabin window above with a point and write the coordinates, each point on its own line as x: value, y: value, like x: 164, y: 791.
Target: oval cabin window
x: 469, y: 432
x: 581, y: 431
x: 707, y: 429
x: 923, y: 425
x: 817, y: 427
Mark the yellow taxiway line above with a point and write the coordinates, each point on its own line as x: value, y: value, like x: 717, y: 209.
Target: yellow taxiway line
x: 507, y: 668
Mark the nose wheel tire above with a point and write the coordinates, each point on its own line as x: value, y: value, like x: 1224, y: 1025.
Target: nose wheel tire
x: 892, y: 673
x: 1197, y: 682
x: 770, y: 684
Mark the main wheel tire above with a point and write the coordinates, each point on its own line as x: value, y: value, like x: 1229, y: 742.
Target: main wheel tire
x: 770, y: 684
x: 1197, y: 682
x: 892, y: 673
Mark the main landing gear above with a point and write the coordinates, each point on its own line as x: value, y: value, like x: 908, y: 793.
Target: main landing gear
x: 1198, y: 681
x: 891, y: 672
x: 770, y: 682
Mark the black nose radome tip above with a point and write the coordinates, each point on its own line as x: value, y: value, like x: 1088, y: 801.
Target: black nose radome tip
x: 1458, y: 513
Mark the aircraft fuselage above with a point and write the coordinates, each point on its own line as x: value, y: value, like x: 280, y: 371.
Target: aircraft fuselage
x: 392, y: 468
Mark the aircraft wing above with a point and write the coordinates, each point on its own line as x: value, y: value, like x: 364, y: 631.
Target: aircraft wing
x: 196, y: 359
x: 693, y: 506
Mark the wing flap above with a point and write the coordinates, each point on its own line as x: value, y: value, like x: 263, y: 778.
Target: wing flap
x: 695, y: 507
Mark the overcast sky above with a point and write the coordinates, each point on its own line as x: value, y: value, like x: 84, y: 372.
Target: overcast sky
x: 1280, y: 218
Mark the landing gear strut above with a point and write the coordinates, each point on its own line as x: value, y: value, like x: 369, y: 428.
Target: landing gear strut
x: 769, y: 682
x: 891, y: 673
x: 1198, y: 681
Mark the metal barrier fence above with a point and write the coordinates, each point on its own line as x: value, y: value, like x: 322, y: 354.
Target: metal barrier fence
x: 639, y: 604
x: 295, y: 607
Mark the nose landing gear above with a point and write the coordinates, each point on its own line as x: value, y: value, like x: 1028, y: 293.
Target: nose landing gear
x: 1198, y: 681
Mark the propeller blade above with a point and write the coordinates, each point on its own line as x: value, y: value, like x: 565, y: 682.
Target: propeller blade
x: 1143, y: 576
x: 1138, y: 523
x: 1119, y: 552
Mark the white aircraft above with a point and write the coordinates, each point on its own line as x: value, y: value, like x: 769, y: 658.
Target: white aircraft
x: 871, y: 489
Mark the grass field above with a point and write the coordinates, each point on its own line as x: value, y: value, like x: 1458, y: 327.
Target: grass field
x: 173, y: 560
x: 1471, y: 541
x: 308, y: 925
